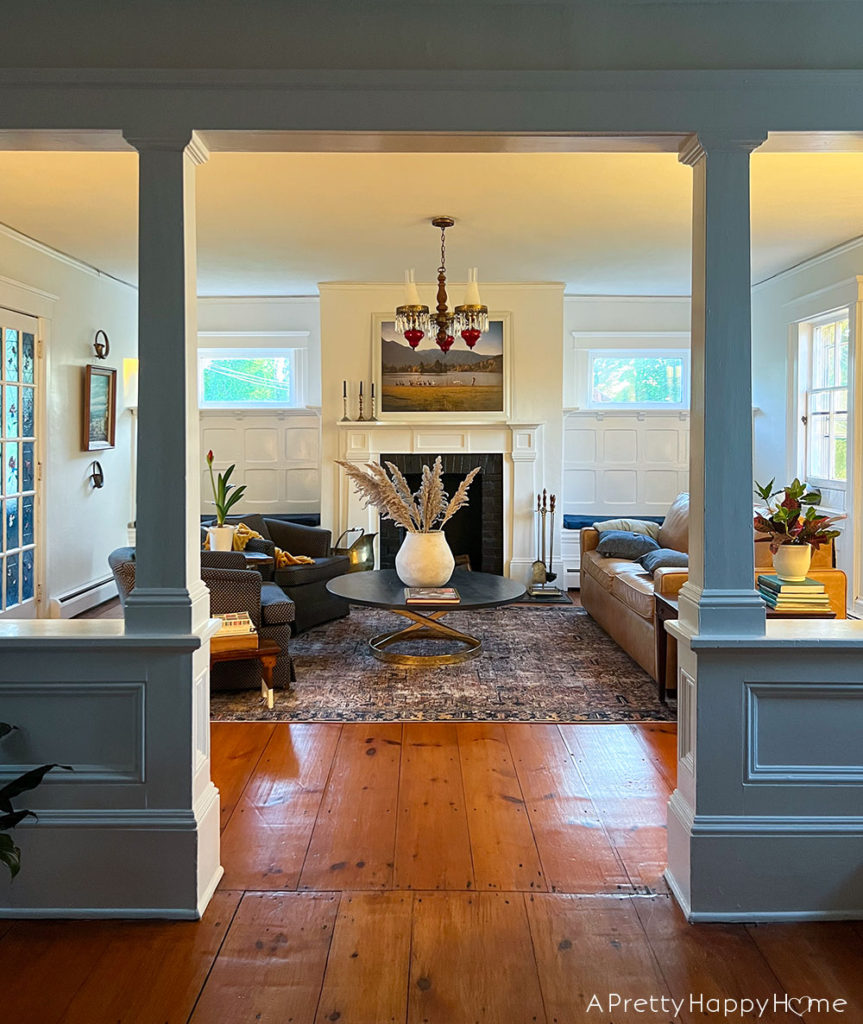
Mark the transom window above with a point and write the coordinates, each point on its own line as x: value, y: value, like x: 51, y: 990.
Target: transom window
x: 825, y: 413
x: 637, y: 378
x: 249, y: 379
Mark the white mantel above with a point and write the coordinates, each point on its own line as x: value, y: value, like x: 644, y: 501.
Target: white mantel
x: 521, y: 445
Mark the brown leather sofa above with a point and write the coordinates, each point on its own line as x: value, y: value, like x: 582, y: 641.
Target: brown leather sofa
x: 619, y: 594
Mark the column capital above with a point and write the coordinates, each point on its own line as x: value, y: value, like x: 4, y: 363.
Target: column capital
x: 697, y: 146
x: 170, y: 142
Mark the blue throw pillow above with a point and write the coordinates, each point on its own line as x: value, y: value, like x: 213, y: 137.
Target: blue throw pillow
x: 664, y: 558
x: 621, y: 544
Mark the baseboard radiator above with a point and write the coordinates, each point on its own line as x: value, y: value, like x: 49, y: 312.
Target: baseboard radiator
x: 73, y: 602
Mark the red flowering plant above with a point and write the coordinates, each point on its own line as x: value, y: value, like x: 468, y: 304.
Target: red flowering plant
x: 222, y: 499
x: 795, y: 519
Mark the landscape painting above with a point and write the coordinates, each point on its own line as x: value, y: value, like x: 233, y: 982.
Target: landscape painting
x: 100, y: 408
x: 425, y: 379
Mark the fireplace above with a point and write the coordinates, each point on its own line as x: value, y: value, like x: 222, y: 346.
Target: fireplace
x: 476, y: 532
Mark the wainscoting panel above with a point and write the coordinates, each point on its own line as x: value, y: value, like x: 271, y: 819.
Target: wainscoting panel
x: 277, y: 455
x: 623, y: 463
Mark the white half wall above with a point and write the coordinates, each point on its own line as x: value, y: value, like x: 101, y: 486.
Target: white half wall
x: 80, y: 525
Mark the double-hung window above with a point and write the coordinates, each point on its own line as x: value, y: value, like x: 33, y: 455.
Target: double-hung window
x: 250, y: 378
x: 825, y: 402
x: 638, y: 379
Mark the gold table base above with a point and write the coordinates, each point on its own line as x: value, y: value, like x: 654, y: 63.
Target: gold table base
x: 424, y: 627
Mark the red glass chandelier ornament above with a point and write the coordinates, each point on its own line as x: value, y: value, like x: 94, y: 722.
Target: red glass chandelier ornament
x: 470, y: 319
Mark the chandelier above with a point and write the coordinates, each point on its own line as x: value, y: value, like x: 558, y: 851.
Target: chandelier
x: 470, y: 319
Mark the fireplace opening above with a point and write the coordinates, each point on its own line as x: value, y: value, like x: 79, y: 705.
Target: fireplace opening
x: 475, y: 533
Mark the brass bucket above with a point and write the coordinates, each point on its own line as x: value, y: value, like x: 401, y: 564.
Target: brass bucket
x: 361, y: 552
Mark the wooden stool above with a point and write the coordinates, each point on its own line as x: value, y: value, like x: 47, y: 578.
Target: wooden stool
x: 266, y: 653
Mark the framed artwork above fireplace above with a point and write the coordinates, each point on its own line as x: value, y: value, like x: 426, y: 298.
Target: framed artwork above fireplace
x: 422, y: 383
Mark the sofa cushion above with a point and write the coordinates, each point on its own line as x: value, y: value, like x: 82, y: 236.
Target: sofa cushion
x: 623, y: 544
x: 664, y: 558
x: 276, y: 607
x: 603, y: 570
x: 629, y: 526
x: 674, y: 532
x: 635, y: 590
x: 322, y: 569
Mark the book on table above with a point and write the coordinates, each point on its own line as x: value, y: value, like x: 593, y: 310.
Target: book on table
x: 431, y: 595
x: 236, y: 633
x: 778, y: 586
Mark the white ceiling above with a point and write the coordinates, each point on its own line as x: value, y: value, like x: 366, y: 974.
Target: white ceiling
x: 278, y: 223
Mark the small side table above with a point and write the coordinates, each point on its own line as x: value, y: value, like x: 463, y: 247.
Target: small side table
x: 667, y: 608
x: 258, y: 560
x: 266, y: 653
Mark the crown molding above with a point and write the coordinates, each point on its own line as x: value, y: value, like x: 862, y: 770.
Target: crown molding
x: 62, y: 257
x: 682, y: 299
x: 812, y: 261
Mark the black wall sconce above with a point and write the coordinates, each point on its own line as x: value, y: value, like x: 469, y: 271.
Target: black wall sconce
x: 97, y: 477
x: 102, y: 347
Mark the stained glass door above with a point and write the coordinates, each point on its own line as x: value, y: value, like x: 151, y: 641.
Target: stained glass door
x: 19, y: 551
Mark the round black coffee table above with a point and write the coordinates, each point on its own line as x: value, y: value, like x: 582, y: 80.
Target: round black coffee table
x: 383, y: 589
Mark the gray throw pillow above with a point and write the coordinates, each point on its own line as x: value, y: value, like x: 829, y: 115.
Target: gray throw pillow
x: 664, y: 558
x: 622, y: 544
x: 629, y: 526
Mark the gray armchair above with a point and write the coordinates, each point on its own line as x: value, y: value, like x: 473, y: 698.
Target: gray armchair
x: 233, y: 588
x: 305, y: 585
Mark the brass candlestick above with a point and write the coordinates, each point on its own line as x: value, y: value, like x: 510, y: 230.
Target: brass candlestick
x: 345, y: 418
x: 361, y: 418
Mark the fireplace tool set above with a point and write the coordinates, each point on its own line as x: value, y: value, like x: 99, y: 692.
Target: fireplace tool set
x: 542, y: 572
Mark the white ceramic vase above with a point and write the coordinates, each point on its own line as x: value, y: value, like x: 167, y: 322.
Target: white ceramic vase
x: 222, y: 538
x: 425, y: 560
x: 792, y: 561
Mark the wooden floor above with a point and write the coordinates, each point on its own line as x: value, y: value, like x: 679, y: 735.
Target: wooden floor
x: 432, y: 874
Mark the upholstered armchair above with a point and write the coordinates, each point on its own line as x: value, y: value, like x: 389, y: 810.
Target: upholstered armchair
x: 233, y: 588
x: 305, y: 585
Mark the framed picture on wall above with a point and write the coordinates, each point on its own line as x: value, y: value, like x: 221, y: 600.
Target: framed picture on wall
x: 422, y: 382
x: 99, y: 419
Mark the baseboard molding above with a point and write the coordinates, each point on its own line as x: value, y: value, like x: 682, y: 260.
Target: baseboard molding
x: 74, y: 602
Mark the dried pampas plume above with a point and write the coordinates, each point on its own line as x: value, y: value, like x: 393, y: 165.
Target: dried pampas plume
x: 421, y: 512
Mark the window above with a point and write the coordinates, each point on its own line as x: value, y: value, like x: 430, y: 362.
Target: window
x: 825, y: 403
x: 249, y: 379
x: 638, y: 378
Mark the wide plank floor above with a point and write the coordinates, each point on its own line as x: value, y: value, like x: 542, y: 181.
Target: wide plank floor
x: 447, y: 873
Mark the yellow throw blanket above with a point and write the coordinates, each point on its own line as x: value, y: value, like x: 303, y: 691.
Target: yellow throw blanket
x: 243, y: 534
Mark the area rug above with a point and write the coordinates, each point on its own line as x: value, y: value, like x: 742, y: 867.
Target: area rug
x: 538, y: 665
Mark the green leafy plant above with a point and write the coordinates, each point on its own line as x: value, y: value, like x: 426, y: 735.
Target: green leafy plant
x: 222, y: 497
x: 794, y: 519
x: 10, y: 854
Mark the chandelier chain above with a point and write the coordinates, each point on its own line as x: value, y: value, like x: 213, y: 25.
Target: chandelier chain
x: 442, y: 267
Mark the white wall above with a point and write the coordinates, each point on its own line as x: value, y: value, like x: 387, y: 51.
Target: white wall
x: 536, y: 364
x: 621, y: 462
x: 819, y: 285
x: 277, y: 453
x: 81, y: 525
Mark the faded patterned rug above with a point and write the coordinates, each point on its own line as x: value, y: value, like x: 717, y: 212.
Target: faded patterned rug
x: 539, y: 664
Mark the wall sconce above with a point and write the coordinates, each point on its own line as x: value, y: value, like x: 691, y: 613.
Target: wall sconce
x: 102, y: 347
x: 97, y: 477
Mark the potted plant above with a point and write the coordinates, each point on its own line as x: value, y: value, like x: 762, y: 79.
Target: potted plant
x: 424, y: 559
x: 222, y: 536
x: 794, y: 526
x: 10, y: 854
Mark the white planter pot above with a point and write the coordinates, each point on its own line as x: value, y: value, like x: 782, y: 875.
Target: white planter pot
x: 222, y: 538
x: 425, y: 560
x: 791, y: 562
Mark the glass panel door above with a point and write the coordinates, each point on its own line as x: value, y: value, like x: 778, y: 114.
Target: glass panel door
x: 19, y: 548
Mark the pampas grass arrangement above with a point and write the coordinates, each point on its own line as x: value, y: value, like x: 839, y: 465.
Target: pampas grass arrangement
x: 421, y: 512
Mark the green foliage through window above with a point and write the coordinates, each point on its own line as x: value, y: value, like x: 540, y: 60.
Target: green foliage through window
x: 247, y: 380
x: 635, y: 379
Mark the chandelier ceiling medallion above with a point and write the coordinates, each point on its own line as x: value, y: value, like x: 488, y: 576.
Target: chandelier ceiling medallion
x: 470, y: 319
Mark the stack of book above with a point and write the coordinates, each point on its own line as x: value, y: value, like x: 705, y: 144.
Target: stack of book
x: 237, y: 633
x: 431, y: 595
x: 801, y: 596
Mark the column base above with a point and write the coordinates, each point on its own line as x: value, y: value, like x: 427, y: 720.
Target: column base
x: 721, y: 612
x: 167, y: 610
x: 783, y: 868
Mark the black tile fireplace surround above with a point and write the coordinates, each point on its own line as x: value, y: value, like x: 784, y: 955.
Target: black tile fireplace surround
x: 475, y: 531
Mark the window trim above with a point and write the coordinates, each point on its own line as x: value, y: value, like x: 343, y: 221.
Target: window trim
x: 806, y: 354
x: 647, y: 353
x: 296, y: 355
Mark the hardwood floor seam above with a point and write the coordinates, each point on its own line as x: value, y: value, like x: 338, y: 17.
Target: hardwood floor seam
x: 216, y: 956
x: 320, y: 805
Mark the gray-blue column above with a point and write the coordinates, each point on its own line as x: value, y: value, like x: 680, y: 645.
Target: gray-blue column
x: 720, y: 596
x: 168, y: 596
